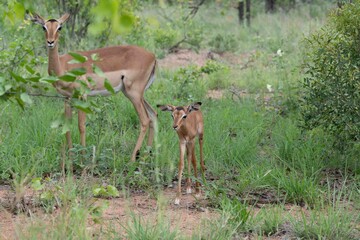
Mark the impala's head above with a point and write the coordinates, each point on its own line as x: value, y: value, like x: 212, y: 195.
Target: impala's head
x: 180, y: 113
x: 51, y: 27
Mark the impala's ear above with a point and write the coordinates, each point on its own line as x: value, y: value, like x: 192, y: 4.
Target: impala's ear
x: 36, y: 18
x: 194, y: 106
x: 63, y: 18
x: 166, y: 107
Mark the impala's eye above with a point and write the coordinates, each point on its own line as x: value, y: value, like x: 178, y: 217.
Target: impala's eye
x: 44, y: 28
x: 184, y: 116
x: 59, y: 29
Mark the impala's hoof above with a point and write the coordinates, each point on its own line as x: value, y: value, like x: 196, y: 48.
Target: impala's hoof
x: 188, y: 190
x: 197, y: 195
x: 177, y: 201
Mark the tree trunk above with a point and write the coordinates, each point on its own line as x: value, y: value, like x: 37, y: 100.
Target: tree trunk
x: 341, y: 3
x: 248, y: 8
x: 270, y: 6
x: 241, y: 12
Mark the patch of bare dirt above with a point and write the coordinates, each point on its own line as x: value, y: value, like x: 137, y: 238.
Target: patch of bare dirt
x: 186, y: 57
x: 185, y: 217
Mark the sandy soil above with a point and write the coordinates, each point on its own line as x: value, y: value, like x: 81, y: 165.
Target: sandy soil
x: 185, y: 217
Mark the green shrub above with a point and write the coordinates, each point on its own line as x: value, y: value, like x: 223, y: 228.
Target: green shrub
x: 222, y: 43
x: 331, y: 86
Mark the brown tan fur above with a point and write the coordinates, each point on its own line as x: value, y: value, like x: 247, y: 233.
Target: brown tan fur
x: 128, y: 68
x: 188, y: 123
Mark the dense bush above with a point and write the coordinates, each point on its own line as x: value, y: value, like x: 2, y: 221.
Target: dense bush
x: 332, y: 82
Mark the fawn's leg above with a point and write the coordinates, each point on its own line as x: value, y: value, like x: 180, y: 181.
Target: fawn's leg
x: 181, y: 168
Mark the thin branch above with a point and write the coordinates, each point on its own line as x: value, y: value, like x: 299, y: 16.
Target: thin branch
x: 39, y: 95
x: 194, y: 10
x: 176, y: 45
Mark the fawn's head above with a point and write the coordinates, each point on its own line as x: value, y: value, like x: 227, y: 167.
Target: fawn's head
x: 179, y: 113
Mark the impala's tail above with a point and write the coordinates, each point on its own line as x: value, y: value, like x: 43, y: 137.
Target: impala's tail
x: 151, y: 112
x: 151, y: 77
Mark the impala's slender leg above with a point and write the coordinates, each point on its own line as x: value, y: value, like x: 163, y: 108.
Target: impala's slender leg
x: 181, y: 168
x: 144, y: 124
x: 82, y: 127
x: 193, y: 160
x: 82, y: 130
x: 68, y: 116
x: 189, y: 159
x: 152, y: 114
x: 203, y: 168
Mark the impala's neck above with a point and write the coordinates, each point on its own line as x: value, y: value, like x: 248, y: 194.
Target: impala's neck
x: 54, y: 67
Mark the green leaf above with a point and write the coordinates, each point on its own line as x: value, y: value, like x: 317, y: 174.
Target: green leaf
x: 65, y: 127
x: 68, y: 77
x: 126, y: 21
x: 33, y: 79
x: 36, y: 184
x: 108, y: 86
x: 47, y: 195
x: 112, y: 191
x: 49, y: 79
x: 18, y: 78
x: 57, y: 123
x: 26, y: 98
x: 30, y: 69
x: 20, y: 102
x: 19, y: 10
x: 98, y: 191
x: 8, y: 87
x: 95, y: 57
x: 82, y: 105
x: 77, y: 58
x: 78, y: 71
x: 98, y: 71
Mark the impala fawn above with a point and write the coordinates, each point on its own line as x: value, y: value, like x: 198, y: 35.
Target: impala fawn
x: 188, y: 123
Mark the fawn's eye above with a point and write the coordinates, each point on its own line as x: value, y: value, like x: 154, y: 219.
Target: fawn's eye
x: 59, y: 28
x: 44, y: 28
x: 184, y: 116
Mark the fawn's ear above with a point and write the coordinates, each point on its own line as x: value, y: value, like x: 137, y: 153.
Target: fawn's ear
x: 194, y: 106
x: 63, y: 18
x: 38, y: 19
x: 166, y: 107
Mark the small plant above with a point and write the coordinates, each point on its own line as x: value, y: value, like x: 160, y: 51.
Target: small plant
x: 233, y: 218
x: 268, y: 221
x: 107, y: 192
x: 165, y: 37
x: 237, y: 212
x: 187, y: 82
x: 299, y: 189
x: 333, y: 224
x: 138, y: 228
x: 212, y: 66
x: 223, y: 43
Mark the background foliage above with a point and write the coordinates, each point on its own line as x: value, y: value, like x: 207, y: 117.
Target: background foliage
x: 331, y: 97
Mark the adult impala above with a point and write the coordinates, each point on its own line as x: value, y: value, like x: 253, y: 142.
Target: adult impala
x: 130, y: 69
x: 188, y: 123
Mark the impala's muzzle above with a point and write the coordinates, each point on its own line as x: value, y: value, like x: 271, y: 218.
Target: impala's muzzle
x: 51, y: 44
x: 175, y: 127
